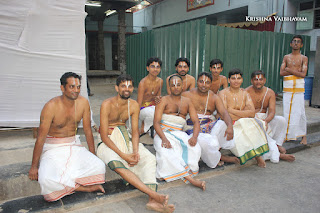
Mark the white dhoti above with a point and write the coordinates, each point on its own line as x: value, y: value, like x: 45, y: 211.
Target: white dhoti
x: 249, y: 138
x: 276, y: 128
x: 209, y: 143
x: 65, y: 165
x: 275, y: 135
x: 146, y: 116
x: 219, y: 130
x: 145, y: 169
x: 182, y: 159
x: 293, y: 107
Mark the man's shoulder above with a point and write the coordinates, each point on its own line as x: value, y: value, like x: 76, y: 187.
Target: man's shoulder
x: 224, y: 91
x: 191, y: 77
x: 133, y: 102
x: 270, y: 91
x: 82, y: 99
x: 249, y: 88
x: 223, y: 77
x: 108, y: 101
x: 53, y: 102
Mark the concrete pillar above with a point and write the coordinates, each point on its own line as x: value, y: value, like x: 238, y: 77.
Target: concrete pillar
x: 122, y: 40
x: 101, y: 54
x: 315, y: 100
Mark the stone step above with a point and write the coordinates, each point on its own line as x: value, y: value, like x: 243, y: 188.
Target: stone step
x: 115, y: 189
x: 14, y: 181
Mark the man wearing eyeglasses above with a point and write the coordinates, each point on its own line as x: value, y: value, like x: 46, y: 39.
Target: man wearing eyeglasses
x: 149, y: 94
x: 182, y: 68
x: 293, y: 69
x: 264, y: 101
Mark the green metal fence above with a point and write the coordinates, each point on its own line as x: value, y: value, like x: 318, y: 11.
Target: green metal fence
x: 250, y: 50
x: 245, y: 49
x: 167, y: 43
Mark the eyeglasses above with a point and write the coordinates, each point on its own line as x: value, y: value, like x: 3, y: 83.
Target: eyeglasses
x: 296, y: 41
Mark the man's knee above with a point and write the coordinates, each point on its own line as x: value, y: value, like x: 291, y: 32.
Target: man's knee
x: 279, y: 121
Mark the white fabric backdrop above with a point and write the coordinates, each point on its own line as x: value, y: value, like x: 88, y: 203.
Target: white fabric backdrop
x: 39, y: 41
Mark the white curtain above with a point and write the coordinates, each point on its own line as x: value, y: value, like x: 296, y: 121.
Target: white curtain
x: 39, y: 41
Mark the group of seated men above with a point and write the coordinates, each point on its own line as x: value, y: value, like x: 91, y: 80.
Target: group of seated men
x: 190, y: 123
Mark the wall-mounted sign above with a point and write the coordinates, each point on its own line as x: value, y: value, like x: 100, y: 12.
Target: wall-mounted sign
x: 197, y: 4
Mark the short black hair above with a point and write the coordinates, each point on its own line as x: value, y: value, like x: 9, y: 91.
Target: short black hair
x: 182, y: 59
x: 216, y: 61
x: 257, y: 72
x: 206, y: 74
x: 65, y: 76
x: 297, y: 36
x: 154, y: 59
x: 235, y: 71
x: 124, y: 77
x: 174, y: 75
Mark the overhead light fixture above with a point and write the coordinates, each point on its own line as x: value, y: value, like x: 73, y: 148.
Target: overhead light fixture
x: 93, y: 4
x: 110, y: 12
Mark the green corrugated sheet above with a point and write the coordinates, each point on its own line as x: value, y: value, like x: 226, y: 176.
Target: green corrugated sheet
x: 245, y: 49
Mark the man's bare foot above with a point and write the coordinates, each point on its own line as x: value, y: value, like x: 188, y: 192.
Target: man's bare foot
x: 229, y: 159
x: 162, y: 199
x: 287, y: 157
x: 199, y: 183
x: 92, y: 188
x: 220, y: 163
x: 282, y: 150
x: 158, y: 207
x: 304, y: 140
x: 261, y: 162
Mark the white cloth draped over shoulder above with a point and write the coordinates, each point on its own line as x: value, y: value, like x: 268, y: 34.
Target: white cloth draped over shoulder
x: 65, y: 165
x: 182, y: 159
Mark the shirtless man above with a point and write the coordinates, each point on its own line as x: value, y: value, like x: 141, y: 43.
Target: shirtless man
x: 177, y: 154
x: 264, y: 100
x: 218, y: 81
x: 149, y: 93
x: 294, y: 68
x: 182, y: 68
x: 205, y: 103
x: 130, y: 159
x: 65, y: 165
x: 250, y: 141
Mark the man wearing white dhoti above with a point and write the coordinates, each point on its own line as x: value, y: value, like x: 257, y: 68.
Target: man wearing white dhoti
x: 294, y: 68
x: 249, y: 136
x: 125, y: 155
x: 177, y: 154
x: 149, y: 94
x: 205, y: 103
x: 264, y: 101
x: 64, y: 164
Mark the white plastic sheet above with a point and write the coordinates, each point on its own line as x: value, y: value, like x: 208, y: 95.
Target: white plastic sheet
x: 39, y: 41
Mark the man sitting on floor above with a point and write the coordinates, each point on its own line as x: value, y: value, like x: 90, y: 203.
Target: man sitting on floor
x: 177, y: 154
x: 205, y: 103
x: 149, y: 93
x: 65, y: 165
x: 264, y: 100
x: 249, y: 137
x: 129, y: 158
